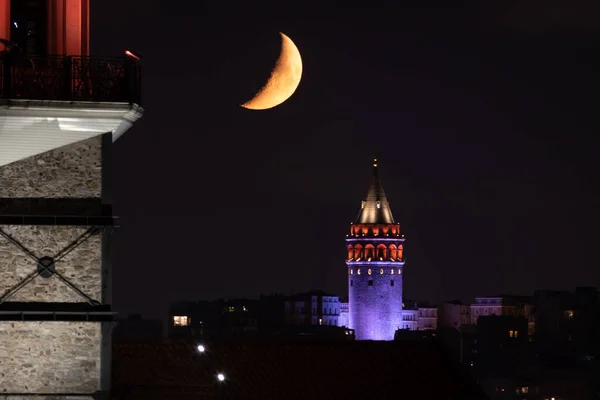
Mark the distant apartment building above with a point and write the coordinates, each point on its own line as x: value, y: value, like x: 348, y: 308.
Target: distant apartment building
x: 568, y: 322
x: 418, y: 317
x: 344, y: 319
x: 539, y: 347
x: 410, y: 319
x: 502, y: 344
x: 454, y: 314
x: 313, y: 308
x: 206, y: 319
x: 504, y: 305
x: 427, y: 317
x: 272, y: 315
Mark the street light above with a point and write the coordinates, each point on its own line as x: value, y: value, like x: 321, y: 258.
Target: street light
x: 201, y: 348
x: 220, y: 377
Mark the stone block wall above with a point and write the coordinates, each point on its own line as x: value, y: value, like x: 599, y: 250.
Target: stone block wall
x: 52, y: 356
x: 375, y: 310
x: 49, y: 357
x: 82, y: 266
x: 74, y: 171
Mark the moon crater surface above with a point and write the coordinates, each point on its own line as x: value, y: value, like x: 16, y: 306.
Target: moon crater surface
x: 284, y: 80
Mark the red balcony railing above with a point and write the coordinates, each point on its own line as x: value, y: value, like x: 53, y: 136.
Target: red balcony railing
x: 70, y: 78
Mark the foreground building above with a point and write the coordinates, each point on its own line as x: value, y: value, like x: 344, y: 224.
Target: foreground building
x: 136, y: 327
x: 60, y: 113
x: 288, y: 370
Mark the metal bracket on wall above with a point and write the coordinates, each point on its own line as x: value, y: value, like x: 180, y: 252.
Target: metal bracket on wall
x: 45, y: 266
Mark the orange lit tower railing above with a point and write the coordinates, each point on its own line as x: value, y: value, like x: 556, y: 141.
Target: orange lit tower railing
x: 70, y: 78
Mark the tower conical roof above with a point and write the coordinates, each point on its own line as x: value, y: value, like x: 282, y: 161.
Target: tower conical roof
x: 375, y: 208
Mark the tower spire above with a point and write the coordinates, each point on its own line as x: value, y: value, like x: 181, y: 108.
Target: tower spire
x: 375, y: 208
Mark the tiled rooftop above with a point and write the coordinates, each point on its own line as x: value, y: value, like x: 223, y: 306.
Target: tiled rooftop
x: 286, y: 370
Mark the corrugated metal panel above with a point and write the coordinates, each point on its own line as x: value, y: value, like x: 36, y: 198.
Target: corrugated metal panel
x: 28, y: 129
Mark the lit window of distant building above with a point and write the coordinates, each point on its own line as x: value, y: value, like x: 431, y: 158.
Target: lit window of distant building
x: 569, y: 313
x: 358, y: 271
x: 231, y: 308
x: 369, y: 271
x: 513, y: 334
x: 399, y: 271
x: 351, y: 271
x: 392, y: 271
x: 181, y: 320
x: 381, y: 271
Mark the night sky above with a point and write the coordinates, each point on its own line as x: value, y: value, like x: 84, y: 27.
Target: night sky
x: 485, y: 121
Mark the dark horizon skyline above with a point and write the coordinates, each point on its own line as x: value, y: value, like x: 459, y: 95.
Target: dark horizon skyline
x: 482, y: 119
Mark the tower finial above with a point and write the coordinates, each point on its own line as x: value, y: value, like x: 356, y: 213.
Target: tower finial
x: 375, y: 161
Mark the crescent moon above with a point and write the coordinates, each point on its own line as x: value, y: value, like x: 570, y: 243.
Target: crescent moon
x: 284, y: 79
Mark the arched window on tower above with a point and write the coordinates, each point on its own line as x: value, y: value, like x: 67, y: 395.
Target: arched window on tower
x: 393, y: 252
x: 381, y: 252
x: 369, y: 252
x: 357, y: 252
x: 350, y: 253
x: 400, y: 252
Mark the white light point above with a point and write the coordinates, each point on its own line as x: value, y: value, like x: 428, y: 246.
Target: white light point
x: 201, y: 348
x: 220, y: 377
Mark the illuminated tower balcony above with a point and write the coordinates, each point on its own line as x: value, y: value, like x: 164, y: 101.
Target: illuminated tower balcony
x: 49, y: 101
x: 375, y: 249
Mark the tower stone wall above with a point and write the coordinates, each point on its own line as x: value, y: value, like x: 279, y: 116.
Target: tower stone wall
x: 71, y: 172
x: 376, y: 307
x: 49, y: 357
x: 51, y: 337
x: 82, y: 266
